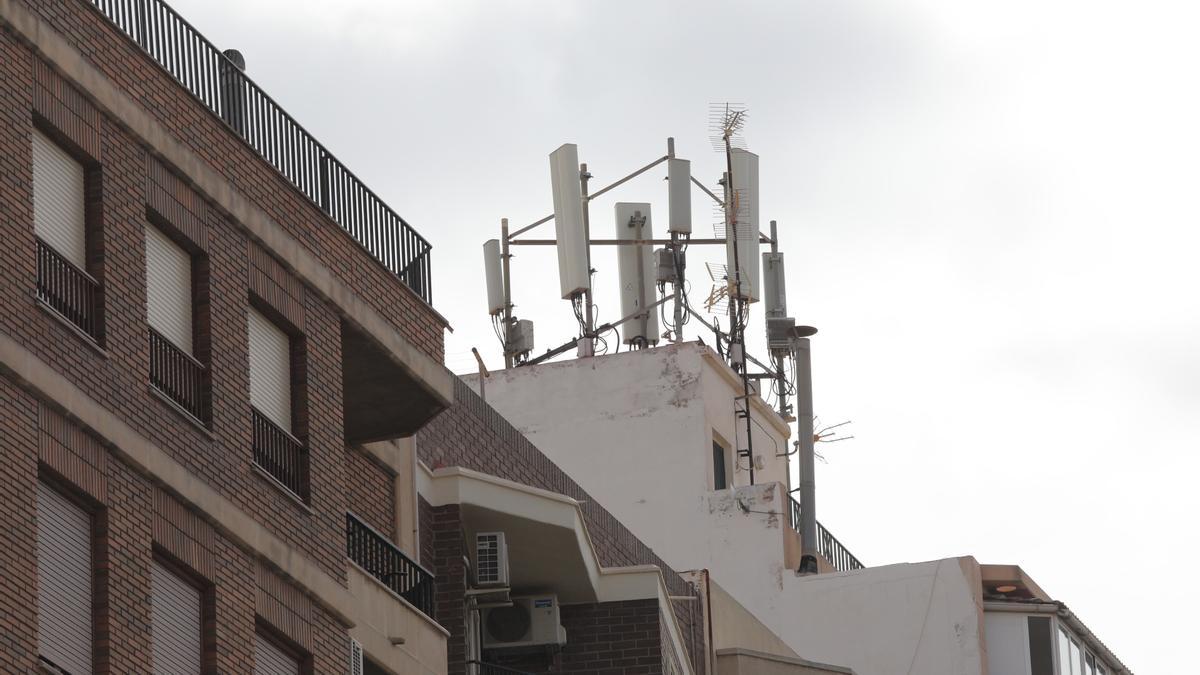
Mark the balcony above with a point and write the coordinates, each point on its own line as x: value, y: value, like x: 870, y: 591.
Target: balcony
x: 381, y: 559
x: 828, y: 545
x: 68, y: 290
x: 221, y: 86
x: 280, y: 454
x: 178, y: 376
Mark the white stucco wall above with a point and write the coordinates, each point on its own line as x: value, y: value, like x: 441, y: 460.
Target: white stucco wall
x: 635, y: 429
x: 909, y: 618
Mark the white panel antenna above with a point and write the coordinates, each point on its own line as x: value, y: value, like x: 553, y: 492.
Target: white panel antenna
x: 494, y: 275
x: 774, y: 289
x: 744, y: 198
x: 679, y: 197
x: 573, y: 277
x: 636, y: 269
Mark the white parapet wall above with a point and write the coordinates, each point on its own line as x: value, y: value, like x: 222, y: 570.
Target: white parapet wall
x: 908, y: 618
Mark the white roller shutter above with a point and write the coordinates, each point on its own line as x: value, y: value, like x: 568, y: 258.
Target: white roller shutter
x: 58, y: 200
x: 169, y: 289
x: 174, y: 623
x: 64, y: 582
x: 271, y: 660
x: 270, y: 371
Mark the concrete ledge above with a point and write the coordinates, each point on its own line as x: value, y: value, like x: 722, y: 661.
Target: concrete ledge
x: 738, y: 661
x: 56, y: 50
x: 385, y: 620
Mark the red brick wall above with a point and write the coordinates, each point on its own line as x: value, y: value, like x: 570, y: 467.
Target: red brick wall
x: 118, y: 376
x: 135, y: 522
x: 371, y: 492
x: 442, y: 536
x: 128, y: 510
x: 18, y: 526
x: 602, y: 638
x: 473, y: 435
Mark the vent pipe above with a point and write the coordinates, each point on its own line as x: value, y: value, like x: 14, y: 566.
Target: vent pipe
x: 233, y: 90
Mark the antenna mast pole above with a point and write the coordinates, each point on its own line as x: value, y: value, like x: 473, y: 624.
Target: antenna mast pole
x: 589, y: 335
x: 737, y: 335
x: 508, y: 307
x: 780, y: 378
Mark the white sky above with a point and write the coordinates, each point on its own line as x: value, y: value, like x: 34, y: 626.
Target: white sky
x: 989, y: 209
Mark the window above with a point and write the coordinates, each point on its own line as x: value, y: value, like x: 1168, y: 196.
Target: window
x: 720, y: 463
x: 64, y: 543
x: 175, y: 623
x: 1070, y: 657
x: 1089, y: 664
x: 59, y: 224
x: 174, y: 370
x: 271, y: 659
x: 270, y: 371
x: 1041, y: 658
x: 276, y: 450
x: 169, y: 289
x: 58, y: 191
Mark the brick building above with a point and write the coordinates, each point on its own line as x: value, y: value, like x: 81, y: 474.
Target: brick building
x: 211, y: 335
x: 216, y: 349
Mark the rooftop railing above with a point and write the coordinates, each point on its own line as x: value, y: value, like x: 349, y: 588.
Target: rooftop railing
x: 382, y: 560
x: 828, y: 545
x: 219, y: 83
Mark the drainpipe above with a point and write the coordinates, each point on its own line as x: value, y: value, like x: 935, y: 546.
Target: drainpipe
x: 808, y: 484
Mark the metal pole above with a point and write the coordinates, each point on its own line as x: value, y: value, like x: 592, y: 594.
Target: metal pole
x: 808, y: 484
x: 590, y: 332
x: 504, y: 256
x: 737, y: 330
x: 483, y: 374
x: 676, y: 263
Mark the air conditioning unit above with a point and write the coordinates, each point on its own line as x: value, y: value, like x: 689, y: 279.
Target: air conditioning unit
x: 491, y: 559
x: 356, y: 657
x: 531, y: 620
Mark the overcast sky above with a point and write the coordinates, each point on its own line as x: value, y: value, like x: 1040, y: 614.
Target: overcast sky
x: 989, y: 209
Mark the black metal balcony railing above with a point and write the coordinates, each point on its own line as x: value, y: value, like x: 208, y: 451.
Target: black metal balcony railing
x: 68, y: 290
x: 177, y: 375
x: 278, y: 453
x: 221, y: 86
x: 482, y: 668
x: 382, y: 560
x: 828, y: 545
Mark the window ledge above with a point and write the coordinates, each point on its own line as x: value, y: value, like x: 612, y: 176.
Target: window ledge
x: 274, y: 482
x: 87, y: 339
x: 187, y: 416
